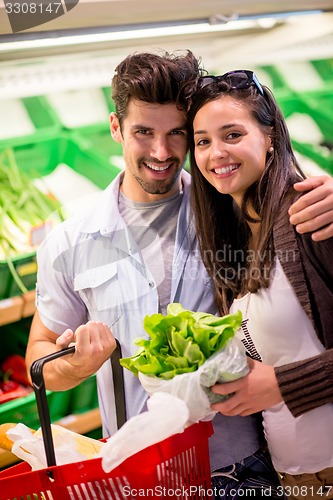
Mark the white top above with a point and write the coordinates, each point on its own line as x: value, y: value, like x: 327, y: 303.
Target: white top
x: 276, y: 330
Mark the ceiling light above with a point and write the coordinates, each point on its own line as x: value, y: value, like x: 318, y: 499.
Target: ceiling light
x: 114, y: 36
x: 216, y: 23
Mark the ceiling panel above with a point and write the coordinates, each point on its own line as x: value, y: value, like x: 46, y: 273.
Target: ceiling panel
x: 118, y: 13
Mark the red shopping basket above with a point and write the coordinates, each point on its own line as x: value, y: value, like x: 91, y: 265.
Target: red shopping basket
x: 177, y: 467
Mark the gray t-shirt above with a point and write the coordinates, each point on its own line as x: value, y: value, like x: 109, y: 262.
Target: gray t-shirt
x: 153, y: 226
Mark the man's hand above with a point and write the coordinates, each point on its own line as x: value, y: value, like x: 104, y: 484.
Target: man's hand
x: 94, y: 344
x: 314, y: 210
x: 255, y: 392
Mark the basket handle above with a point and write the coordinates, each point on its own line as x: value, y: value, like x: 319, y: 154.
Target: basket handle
x: 38, y: 384
x: 118, y: 385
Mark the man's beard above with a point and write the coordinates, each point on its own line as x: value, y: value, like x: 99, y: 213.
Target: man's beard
x: 158, y: 186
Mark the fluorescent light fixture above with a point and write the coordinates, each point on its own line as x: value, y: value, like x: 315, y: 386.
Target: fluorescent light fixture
x: 115, y: 36
x: 217, y: 24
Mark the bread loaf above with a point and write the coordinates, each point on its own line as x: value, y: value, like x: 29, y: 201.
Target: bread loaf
x: 5, y: 442
x: 88, y: 447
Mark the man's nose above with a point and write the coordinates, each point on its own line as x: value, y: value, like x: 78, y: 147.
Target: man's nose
x: 161, y: 149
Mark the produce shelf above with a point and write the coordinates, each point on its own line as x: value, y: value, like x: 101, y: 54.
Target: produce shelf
x: 37, y: 159
x: 11, y: 310
x: 15, y: 308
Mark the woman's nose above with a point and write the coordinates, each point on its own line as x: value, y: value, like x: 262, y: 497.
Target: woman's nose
x: 217, y: 150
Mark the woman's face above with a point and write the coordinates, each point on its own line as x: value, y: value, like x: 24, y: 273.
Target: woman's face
x: 230, y: 147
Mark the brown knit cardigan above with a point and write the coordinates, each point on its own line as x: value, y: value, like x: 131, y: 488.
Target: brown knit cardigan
x: 308, y: 265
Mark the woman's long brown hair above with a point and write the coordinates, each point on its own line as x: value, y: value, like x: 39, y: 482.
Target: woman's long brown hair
x: 222, y: 228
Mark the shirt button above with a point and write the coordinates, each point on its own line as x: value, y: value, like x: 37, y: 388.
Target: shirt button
x: 151, y: 284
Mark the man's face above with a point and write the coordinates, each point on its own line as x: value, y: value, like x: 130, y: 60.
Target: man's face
x: 154, y: 141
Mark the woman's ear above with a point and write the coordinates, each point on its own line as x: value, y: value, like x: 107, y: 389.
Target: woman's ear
x: 115, y: 127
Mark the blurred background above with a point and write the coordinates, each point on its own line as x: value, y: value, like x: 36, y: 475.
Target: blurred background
x: 57, y: 75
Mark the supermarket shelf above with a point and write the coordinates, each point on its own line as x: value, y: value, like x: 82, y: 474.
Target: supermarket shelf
x: 80, y: 423
x: 16, y: 308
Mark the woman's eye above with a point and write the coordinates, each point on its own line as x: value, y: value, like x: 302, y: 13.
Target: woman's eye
x: 234, y: 135
x: 202, y: 142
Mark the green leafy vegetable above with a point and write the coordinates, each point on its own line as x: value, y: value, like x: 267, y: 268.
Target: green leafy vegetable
x: 22, y: 206
x: 180, y: 342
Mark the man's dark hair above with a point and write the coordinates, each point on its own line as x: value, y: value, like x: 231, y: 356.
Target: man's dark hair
x: 161, y: 79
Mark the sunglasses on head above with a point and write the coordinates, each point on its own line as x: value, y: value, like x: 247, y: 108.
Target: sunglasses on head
x: 238, y: 79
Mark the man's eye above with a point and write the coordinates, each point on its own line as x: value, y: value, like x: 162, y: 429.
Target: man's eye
x: 143, y: 131
x: 178, y: 132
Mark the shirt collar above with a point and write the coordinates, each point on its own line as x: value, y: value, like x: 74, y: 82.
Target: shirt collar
x: 99, y: 217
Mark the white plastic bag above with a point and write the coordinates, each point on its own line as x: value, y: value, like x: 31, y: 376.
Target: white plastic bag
x: 229, y: 363
x: 166, y: 415
x: 69, y: 446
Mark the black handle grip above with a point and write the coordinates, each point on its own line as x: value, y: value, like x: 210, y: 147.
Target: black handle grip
x: 36, y: 371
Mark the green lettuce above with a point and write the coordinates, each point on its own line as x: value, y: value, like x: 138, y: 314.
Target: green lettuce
x: 180, y: 342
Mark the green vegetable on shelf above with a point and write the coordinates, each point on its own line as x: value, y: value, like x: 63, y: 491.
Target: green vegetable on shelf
x: 180, y: 342
x: 22, y: 207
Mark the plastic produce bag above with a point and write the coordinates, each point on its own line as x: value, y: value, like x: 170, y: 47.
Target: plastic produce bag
x: 229, y: 363
x: 166, y: 415
x: 187, y: 353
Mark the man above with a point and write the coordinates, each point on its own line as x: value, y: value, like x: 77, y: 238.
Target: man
x: 133, y: 253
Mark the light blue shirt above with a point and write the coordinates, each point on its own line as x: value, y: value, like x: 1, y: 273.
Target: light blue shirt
x: 90, y: 268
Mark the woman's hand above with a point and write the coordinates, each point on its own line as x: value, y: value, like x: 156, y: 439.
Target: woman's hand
x: 255, y: 392
x: 313, y: 212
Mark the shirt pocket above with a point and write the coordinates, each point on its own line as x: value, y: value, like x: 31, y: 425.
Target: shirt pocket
x: 99, y: 289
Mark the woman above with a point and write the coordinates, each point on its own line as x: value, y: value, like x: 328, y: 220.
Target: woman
x: 243, y: 170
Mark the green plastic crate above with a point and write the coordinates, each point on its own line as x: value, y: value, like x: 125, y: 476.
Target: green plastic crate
x: 278, y: 82
x: 322, y: 155
x: 60, y: 404
x: 43, y: 118
x: 84, y: 397
x: 39, y: 158
x: 297, y: 103
x: 324, y: 68
x: 24, y: 409
x: 322, y: 100
x: 14, y: 338
x: 97, y: 139
x: 100, y: 144
x: 26, y: 268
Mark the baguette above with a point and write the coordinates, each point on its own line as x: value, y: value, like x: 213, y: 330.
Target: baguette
x: 88, y: 447
x: 5, y: 442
